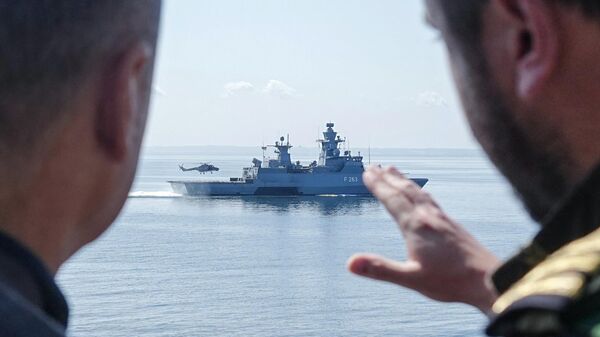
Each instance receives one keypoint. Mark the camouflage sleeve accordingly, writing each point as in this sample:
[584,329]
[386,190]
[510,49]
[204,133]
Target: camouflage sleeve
[560,296]
[533,316]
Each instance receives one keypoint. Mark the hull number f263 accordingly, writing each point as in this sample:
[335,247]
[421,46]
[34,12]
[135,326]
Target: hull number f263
[351,179]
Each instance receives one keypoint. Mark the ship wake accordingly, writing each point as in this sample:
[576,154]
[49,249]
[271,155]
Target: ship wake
[154,194]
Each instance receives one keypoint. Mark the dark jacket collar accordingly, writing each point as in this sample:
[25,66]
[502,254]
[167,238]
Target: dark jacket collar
[577,216]
[22,272]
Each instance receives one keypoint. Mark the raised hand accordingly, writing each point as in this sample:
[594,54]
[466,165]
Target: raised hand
[444,262]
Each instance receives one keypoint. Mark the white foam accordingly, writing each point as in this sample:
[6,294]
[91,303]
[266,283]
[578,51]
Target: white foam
[336,195]
[154,194]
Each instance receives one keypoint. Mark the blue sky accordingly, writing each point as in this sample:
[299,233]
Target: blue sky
[232,72]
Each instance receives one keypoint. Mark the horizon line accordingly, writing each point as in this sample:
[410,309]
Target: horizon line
[310,147]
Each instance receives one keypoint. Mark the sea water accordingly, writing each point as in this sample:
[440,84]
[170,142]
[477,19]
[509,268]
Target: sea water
[275,266]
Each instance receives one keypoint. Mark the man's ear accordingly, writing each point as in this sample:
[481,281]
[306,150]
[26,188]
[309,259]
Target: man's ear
[122,100]
[536,49]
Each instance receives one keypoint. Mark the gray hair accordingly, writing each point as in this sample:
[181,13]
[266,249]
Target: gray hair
[49,47]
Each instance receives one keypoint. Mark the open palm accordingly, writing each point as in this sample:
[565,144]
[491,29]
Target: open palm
[444,261]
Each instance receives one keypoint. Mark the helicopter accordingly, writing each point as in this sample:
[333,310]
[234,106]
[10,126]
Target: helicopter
[202,168]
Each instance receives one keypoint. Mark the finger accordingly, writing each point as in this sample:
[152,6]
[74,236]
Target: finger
[396,179]
[392,198]
[373,266]
[410,189]
[393,170]
[373,168]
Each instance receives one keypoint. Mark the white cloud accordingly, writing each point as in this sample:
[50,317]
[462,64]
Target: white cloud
[236,88]
[279,89]
[430,99]
[273,88]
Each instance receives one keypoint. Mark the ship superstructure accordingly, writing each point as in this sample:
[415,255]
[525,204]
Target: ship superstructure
[335,173]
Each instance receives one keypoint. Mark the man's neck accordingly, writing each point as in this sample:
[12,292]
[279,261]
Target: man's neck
[46,249]
[29,218]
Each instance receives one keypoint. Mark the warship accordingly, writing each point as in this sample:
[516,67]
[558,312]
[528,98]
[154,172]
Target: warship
[335,173]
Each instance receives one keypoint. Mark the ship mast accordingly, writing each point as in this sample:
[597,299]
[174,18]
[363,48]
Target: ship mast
[264,148]
[329,145]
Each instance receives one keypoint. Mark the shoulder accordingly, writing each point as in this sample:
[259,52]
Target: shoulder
[18,318]
[559,297]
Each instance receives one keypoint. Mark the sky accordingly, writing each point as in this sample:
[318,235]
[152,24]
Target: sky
[243,73]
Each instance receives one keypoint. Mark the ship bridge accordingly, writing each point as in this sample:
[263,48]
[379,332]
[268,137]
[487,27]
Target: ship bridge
[331,156]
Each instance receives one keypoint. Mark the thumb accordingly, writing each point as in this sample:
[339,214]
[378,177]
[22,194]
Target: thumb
[377,267]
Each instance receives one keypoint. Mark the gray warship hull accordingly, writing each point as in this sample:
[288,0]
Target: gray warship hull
[335,173]
[294,184]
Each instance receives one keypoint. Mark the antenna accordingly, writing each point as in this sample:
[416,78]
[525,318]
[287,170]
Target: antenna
[349,150]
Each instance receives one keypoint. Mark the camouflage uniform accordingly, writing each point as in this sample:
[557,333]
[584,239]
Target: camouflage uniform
[552,287]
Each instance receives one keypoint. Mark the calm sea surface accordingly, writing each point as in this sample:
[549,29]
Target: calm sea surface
[263,266]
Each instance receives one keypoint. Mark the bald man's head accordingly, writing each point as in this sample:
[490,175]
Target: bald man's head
[75,83]
[48,49]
